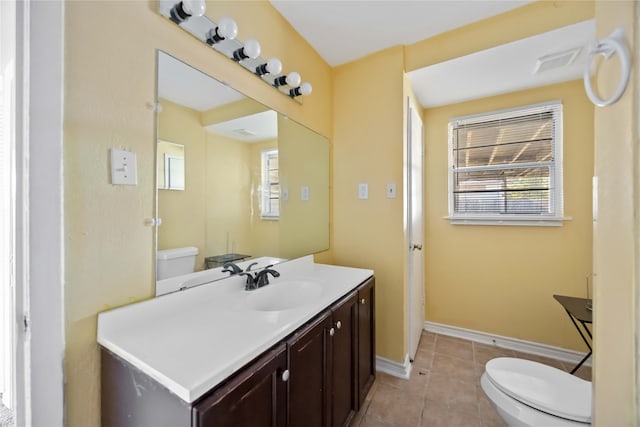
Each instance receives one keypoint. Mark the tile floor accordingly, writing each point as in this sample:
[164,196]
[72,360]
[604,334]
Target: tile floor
[444,388]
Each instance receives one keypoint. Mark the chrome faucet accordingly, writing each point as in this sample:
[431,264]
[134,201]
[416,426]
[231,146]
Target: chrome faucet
[259,279]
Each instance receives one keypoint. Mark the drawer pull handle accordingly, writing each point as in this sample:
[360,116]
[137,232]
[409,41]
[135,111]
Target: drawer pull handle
[332,331]
[285,375]
[338,324]
[363,301]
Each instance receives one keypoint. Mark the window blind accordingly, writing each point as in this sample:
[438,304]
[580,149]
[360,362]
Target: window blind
[506,163]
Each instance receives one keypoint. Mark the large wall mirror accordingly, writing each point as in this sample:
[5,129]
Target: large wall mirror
[254,183]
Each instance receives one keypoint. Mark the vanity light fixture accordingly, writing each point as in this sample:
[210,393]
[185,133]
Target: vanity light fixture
[221,37]
[304,89]
[292,79]
[251,49]
[185,9]
[227,29]
[272,66]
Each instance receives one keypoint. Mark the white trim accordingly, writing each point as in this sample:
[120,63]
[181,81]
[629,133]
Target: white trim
[516,344]
[400,370]
[521,220]
[44,249]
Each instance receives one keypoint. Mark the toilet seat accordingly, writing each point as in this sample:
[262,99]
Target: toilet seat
[542,387]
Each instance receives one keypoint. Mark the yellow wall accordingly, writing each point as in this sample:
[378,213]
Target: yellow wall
[228,183]
[367,148]
[181,125]
[110,63]
[501,279]
[303,161]
[617,230]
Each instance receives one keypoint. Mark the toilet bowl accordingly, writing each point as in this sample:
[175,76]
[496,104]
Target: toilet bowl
[527,393]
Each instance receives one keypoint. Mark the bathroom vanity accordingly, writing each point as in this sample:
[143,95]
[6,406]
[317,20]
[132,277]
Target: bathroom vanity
[297,352]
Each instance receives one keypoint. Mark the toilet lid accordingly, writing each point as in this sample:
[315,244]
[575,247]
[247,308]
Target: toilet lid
[542,387]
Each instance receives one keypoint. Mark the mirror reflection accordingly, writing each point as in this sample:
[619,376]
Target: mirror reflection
[170,162]
[255,183]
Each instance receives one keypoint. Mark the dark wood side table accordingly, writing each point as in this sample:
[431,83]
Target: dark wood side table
[578,312]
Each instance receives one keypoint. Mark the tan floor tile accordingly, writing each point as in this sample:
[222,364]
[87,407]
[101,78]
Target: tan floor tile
[416,384]
[459,394]
[436,414]
[454,347]
[395,406]
[454,367]
[583,372]
[372,421]
[444,388]
[423,360]
[483,353]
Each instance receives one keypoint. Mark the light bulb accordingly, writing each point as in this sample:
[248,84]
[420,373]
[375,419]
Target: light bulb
[272,66]
[251,49]
[293,79]
[227,28]
[185,9]
[304,89]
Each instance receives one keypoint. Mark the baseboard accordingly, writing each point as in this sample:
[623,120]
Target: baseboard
[400,370]
[508,343]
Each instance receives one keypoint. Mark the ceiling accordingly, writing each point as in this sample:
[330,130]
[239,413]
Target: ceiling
[343,31]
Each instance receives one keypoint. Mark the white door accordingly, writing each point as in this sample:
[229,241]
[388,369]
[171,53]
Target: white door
[415,230]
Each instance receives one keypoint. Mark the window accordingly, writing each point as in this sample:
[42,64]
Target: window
[505,167]
[270,206]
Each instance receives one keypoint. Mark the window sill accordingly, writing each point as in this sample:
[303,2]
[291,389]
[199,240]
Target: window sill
[269,218]
[527,221]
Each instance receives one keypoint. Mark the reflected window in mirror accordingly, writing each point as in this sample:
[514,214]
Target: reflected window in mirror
[170,166]
[270,204]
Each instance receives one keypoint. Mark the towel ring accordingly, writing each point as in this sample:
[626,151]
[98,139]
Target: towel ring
[608,47]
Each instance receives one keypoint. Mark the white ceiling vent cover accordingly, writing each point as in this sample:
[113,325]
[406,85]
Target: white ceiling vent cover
[556,60]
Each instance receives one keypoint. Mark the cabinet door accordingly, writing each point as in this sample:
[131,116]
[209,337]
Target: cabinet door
[256,397]
[309,367]
[344,342]
[366,339]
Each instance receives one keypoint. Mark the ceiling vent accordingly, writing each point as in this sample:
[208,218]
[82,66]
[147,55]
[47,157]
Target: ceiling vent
[556,60]
[244,132]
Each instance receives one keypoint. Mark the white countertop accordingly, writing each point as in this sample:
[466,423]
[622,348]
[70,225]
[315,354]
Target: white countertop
[189,341]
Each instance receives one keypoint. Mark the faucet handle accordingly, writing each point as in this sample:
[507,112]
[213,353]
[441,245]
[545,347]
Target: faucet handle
[251,266]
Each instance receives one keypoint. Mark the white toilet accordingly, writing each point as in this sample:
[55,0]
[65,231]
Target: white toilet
[527,393]
[175,262]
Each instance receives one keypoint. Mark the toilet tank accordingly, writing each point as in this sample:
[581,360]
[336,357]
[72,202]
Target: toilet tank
[175,262]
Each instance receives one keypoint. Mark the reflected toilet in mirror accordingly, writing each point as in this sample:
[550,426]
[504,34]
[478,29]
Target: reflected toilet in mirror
[254,184]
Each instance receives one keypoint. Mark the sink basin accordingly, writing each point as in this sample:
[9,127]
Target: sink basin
[285,295]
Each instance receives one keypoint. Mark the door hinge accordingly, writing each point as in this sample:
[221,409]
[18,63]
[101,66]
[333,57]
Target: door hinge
[25,321]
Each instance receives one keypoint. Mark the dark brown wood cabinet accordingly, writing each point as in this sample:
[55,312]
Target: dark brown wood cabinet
[309,367]
[256,397]
[317,377]
[366,339]
[344,343]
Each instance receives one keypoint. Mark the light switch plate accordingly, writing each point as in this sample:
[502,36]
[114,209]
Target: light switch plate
[363,190]
[123,167]
[285,194]
[304,192]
